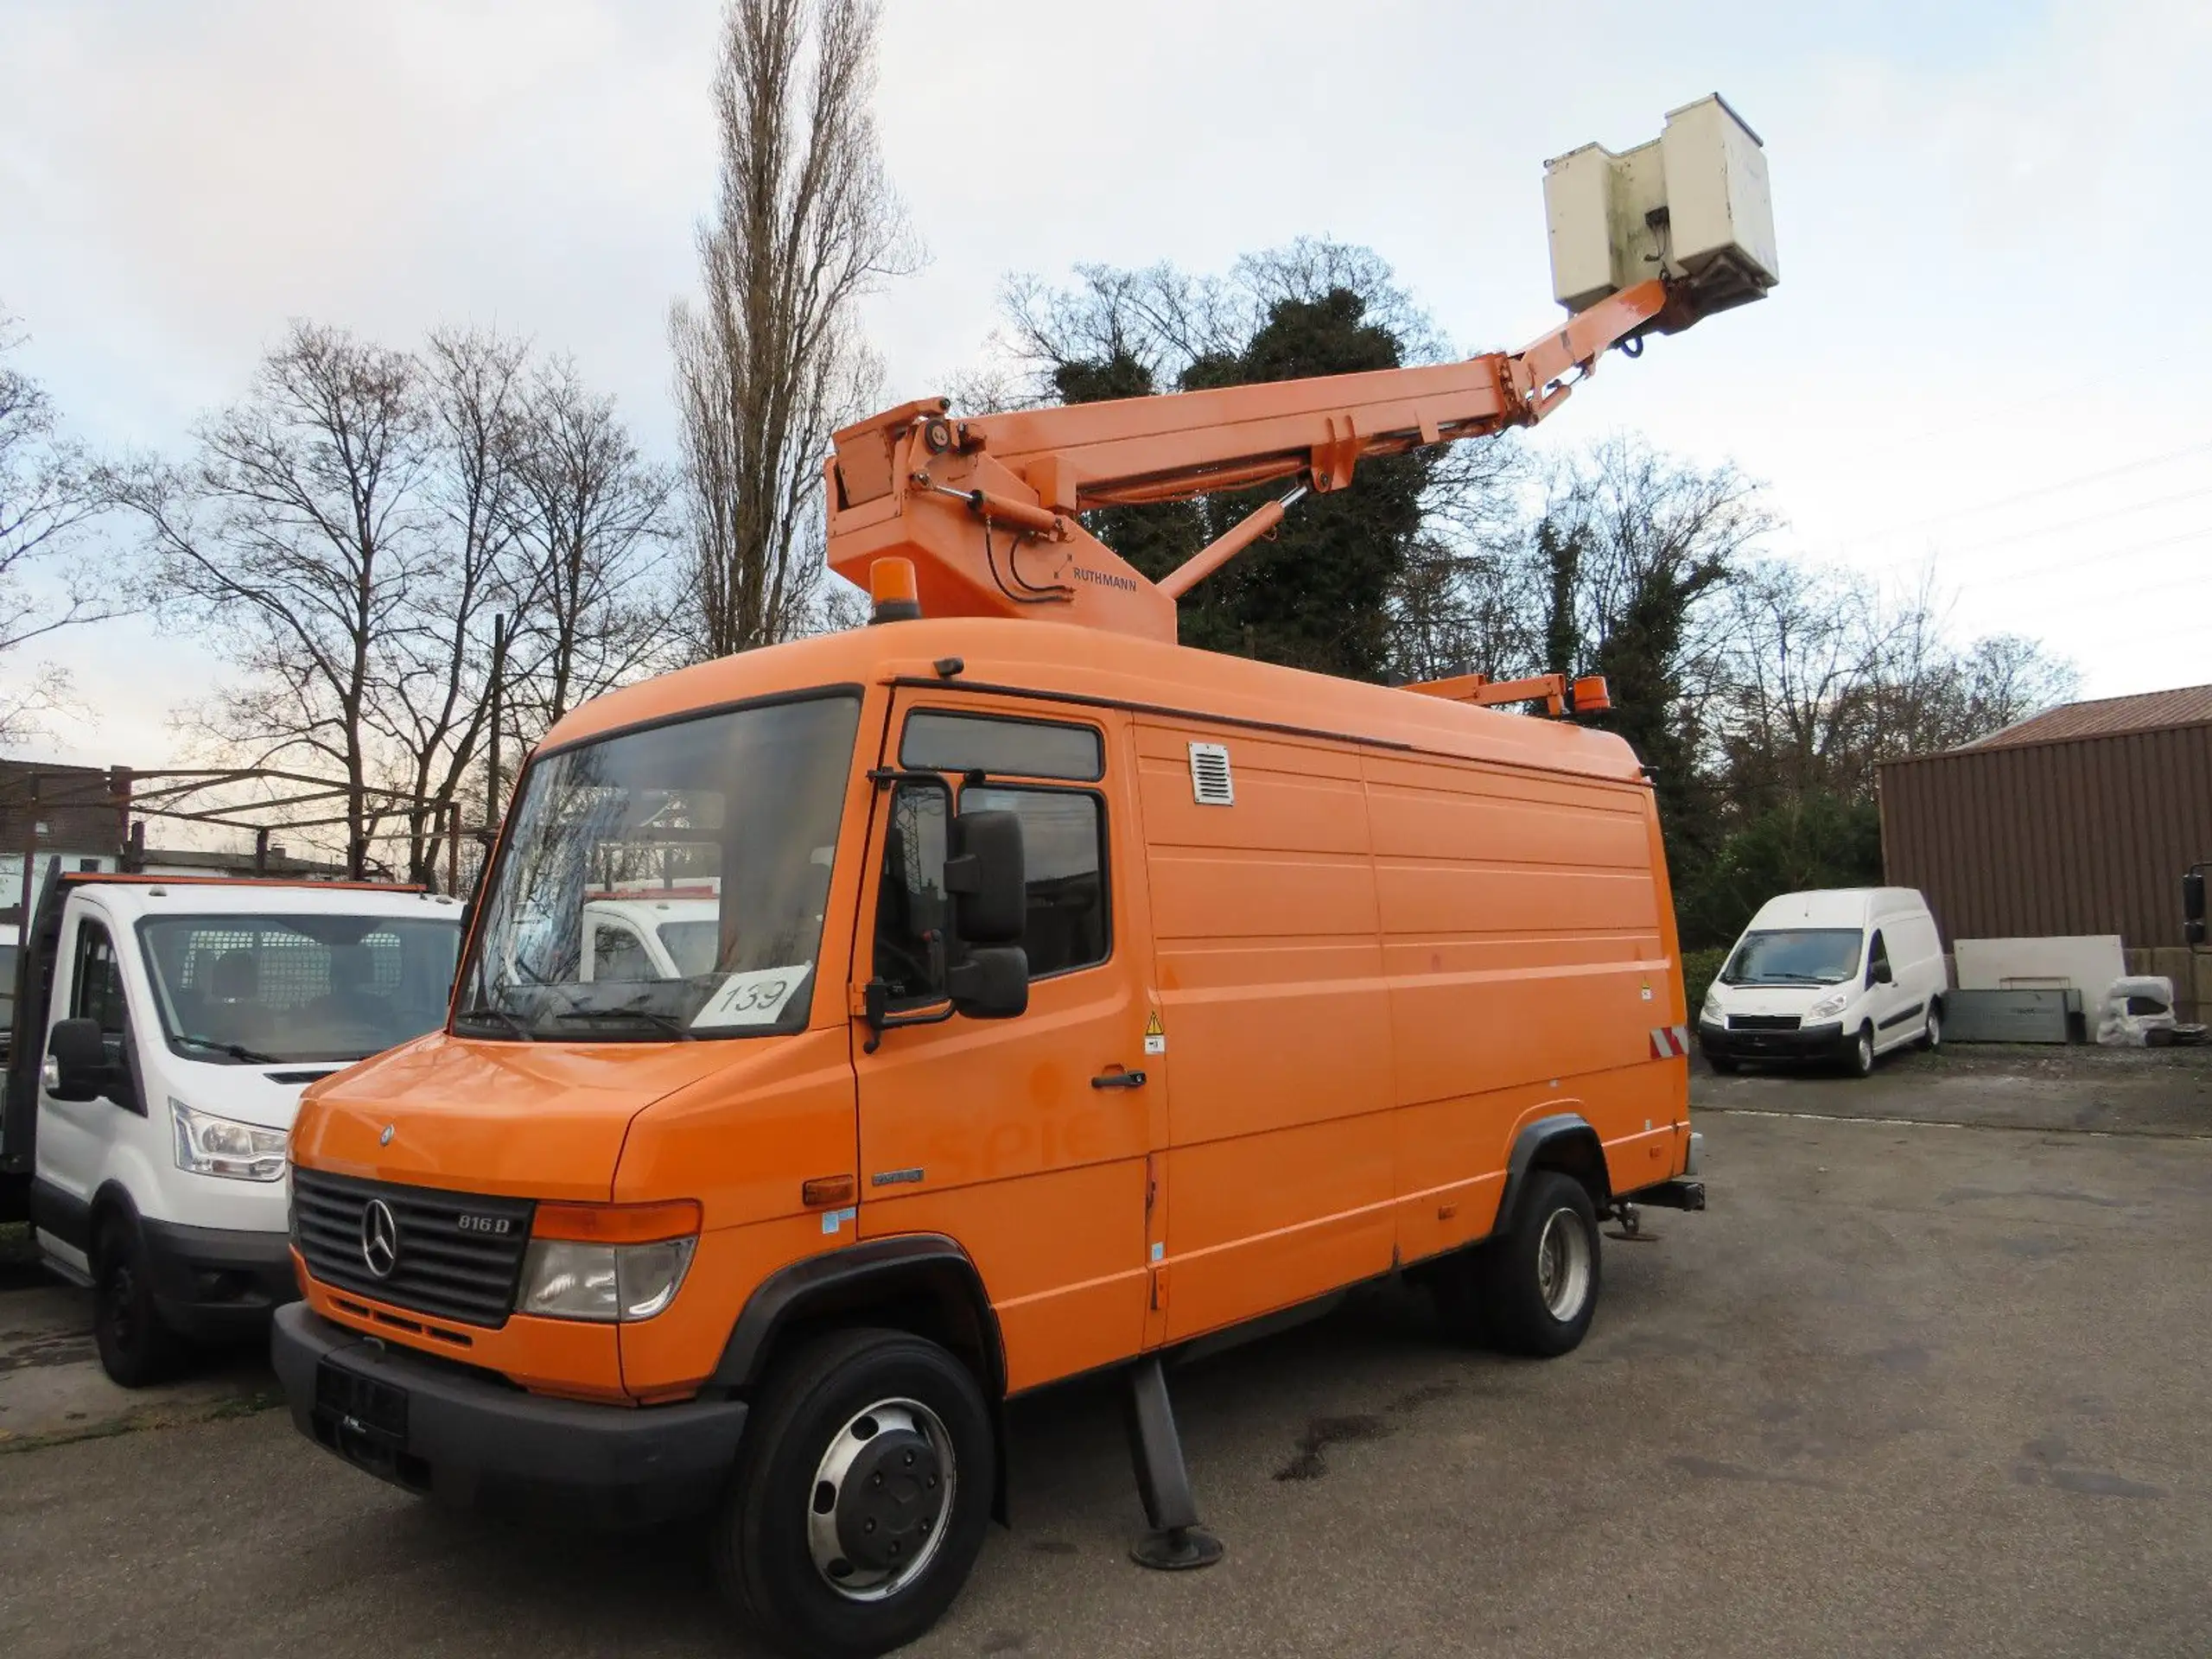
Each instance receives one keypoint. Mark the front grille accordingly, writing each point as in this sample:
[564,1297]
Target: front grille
[1762,1022]
[438,1266]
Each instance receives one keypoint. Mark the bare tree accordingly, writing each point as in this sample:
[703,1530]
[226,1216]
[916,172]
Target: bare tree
[769,360]
[432,703]
[47,491]
[299,535]
[591,513]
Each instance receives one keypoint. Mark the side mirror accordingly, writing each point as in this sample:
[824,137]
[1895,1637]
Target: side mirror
[2192,906]
[80,1064]
[986,875]
[992,981]
[1881,974]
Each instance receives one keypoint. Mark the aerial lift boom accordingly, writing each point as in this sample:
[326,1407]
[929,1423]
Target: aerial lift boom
[985,509]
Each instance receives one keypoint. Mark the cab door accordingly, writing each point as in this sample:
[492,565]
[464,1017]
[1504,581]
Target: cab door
[1026,1140]
[75,1137]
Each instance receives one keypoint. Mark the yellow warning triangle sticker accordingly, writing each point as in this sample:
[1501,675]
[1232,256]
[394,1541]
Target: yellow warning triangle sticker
[1153,1028]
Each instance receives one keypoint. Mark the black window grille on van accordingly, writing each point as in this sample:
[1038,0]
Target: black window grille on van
[455,1255]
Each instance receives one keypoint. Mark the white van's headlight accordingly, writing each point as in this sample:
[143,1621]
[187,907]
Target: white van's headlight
[1711,1014]
[1830,1006]
[208,1145]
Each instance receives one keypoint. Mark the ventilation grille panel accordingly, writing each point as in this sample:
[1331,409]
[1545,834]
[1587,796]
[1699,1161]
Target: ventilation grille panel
[1210,784]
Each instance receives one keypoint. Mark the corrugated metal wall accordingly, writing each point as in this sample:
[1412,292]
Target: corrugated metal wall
[2083,836]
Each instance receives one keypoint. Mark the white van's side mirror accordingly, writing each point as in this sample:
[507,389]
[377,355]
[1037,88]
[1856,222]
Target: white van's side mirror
[78,1053]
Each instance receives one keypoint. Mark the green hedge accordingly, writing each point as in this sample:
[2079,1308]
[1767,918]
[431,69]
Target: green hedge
[1698,968]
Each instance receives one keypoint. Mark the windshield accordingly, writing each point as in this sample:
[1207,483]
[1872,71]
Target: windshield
[245,991]
[1801,956]
[713,835]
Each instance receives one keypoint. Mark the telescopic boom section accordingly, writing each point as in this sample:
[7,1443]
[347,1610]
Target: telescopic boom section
[985,508]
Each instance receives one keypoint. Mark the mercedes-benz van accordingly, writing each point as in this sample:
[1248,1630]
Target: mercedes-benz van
[1842,974]
[1068,998]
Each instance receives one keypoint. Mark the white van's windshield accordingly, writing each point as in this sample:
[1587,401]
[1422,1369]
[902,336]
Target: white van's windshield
[256,989]
[1795,956]
[718,833]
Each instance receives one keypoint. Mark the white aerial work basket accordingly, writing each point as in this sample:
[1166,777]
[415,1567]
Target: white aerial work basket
[1691,205]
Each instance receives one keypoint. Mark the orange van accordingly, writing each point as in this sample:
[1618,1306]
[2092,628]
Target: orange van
[1061,998]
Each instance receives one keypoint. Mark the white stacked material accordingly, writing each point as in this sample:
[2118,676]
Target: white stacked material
[2136,1005]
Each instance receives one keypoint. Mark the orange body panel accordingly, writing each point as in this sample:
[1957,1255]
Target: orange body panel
[1420,925]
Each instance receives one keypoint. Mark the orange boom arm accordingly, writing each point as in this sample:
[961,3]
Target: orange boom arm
[986,508]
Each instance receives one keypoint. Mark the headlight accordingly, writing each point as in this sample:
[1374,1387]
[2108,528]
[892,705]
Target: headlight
[208,1145]
[587,1277]
[1828,1006]
[1710,1015]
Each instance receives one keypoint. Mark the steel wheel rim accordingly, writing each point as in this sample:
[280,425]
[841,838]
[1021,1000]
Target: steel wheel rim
[827,1493]
[1865,1050]
[1563,1264]
[1935,1029]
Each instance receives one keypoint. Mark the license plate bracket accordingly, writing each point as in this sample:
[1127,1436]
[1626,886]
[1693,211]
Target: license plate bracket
[362,1419]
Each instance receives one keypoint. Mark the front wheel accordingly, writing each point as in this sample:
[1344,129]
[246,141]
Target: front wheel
[1540,1281]
[863,1489]
[1726,1065]
[1931,1037]
[136,1347]
[1859,1058]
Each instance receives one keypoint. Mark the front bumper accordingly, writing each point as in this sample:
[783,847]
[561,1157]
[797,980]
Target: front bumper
[216,1283]
[1806,1043]
[470,1439]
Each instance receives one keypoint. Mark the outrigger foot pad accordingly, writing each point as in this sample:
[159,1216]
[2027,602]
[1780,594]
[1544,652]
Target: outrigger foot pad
[1175,1540]
[1176,1550]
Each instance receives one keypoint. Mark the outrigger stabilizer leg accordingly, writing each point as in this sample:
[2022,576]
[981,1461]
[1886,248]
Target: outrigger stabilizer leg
[1175,1540]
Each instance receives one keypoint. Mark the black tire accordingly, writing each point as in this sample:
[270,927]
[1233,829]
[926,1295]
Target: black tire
[810,1406]
[1932,1034]
[136,1348]
[1526,1308]
[1726,1065]
[1858,1057]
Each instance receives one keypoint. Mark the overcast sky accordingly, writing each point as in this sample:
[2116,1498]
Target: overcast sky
[1987,351]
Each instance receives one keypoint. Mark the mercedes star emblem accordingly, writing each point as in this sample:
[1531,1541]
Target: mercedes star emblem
[390,1129]
[380,1238]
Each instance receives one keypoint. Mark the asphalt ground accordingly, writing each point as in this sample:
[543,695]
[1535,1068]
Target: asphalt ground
[1933,1376]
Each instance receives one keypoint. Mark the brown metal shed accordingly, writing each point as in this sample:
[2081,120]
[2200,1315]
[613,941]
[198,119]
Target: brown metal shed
[2077,821]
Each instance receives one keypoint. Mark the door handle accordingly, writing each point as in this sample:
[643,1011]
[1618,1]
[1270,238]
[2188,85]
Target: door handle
[1118,1080]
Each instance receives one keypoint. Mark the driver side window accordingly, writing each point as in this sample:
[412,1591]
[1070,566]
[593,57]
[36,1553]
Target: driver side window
[913,912]
[96,994]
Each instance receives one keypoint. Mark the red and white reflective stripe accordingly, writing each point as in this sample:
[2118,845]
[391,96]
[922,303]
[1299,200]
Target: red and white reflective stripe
[1670,1042]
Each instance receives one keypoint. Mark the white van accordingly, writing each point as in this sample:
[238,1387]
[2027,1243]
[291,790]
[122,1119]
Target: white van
[164,1029]
[1843,974]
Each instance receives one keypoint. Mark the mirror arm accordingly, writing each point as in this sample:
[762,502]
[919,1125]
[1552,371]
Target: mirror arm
[875,1001]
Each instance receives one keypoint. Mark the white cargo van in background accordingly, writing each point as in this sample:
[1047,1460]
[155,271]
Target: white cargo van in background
[1842,974]
[163,1031]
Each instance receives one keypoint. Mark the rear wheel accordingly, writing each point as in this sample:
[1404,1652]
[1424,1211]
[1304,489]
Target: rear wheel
[862,1492]
[1931,1037]
[1540,1281]
[1859,1058]
[136,1347]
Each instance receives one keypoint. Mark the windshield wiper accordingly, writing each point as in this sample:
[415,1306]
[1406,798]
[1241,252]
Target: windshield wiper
[236,1050]
[513,1022]
[673,1026]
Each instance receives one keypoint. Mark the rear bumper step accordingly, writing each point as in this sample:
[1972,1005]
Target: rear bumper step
[1670,1195]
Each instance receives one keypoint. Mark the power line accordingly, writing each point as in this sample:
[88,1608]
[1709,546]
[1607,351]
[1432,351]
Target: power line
[2054,529]
[2037,493]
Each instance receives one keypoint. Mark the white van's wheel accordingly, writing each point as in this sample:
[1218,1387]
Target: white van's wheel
[862,1490]
[1540,1280]
[136,1348]
[1859,1059]
[1931,1038]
